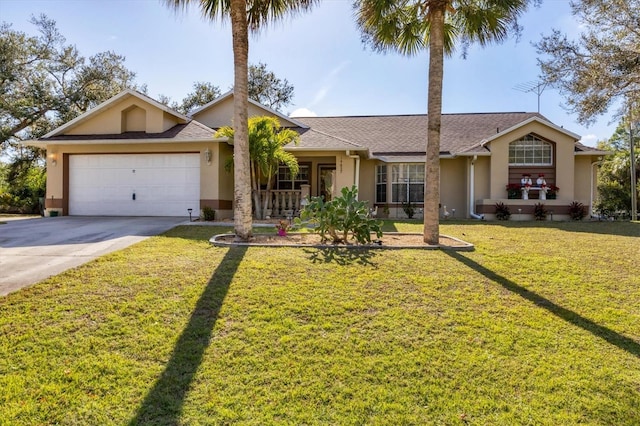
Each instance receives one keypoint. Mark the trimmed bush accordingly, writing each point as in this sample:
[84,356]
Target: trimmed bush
[540,212]
[577,211]
[502,211]
[208,214]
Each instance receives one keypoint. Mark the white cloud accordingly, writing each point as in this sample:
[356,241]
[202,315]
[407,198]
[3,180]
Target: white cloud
[328,82]
[303,112]
[589,140]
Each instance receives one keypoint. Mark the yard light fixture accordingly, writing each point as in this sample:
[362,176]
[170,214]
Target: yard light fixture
[190,211]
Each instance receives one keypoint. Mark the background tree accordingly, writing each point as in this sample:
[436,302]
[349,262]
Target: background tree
[601,67]
[410,26]
[267,89]
[244,15]
[203,93]
[614,174]
[266,152]
[264,87]
[45,82]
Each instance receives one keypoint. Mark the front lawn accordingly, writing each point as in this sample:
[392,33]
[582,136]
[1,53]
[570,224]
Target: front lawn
[539,325]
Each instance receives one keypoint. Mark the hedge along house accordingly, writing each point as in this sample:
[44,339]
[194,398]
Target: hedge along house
[132,156]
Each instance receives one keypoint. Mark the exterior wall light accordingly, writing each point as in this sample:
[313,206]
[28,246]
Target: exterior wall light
[54,158]
[207,156]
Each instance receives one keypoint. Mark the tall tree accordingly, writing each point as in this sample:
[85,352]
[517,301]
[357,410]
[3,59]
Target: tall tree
[614,174]
[268,89]
[45,82]
[266,152]
[602,67]
[244,15]
[410,26]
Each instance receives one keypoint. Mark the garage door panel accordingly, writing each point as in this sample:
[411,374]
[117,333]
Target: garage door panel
[164,184]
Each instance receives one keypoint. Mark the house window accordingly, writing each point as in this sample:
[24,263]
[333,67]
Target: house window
[287,181]
[407,183]
[381,184]
[530,151]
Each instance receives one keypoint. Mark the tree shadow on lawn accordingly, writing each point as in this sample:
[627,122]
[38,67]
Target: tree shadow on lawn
[623,229]
[163,404]
[623,342]
[341,255]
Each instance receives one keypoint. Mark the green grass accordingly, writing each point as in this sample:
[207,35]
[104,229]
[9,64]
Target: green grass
[539,325]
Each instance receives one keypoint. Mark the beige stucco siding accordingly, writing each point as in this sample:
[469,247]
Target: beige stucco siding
[564,156]
[584,179]
[367,185]
[453,182]
[112,119]
[482,178]
[221,114]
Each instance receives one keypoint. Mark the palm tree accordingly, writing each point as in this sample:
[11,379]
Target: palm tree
[266,152]
[244,15]
[409,26]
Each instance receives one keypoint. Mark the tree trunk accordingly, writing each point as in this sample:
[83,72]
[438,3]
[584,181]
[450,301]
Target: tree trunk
[241,168]
[434,109]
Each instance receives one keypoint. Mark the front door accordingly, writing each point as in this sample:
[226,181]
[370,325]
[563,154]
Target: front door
[327,182]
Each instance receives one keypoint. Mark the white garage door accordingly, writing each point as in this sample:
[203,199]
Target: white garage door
[134,184]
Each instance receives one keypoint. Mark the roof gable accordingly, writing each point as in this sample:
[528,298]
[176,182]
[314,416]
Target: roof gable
[219,112]
[128,111]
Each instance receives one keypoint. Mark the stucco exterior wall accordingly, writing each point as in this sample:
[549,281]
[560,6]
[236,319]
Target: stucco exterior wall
[110,120]
[584,180]
[221,114]
[367,184]
[482,178]
[564,156]
[453,182]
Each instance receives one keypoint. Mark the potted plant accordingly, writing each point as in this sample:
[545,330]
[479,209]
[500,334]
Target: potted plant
[552,192]
[282,228]
[513,191]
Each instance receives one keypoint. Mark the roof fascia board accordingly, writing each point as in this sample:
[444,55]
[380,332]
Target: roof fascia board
[108,104]
[576,137]
[44,143]
[251,101]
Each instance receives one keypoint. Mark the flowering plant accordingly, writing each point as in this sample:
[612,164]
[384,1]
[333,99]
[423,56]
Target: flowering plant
[513,190]
[282,227]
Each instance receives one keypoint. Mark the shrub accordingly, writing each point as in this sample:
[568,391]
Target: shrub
[540,212]
[341,216]
[208,213]
[577,211]
[513,191]
[502,211]
[409,209]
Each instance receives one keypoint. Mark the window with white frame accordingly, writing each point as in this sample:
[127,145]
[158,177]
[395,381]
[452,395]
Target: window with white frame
[381,184]
[407,183]
[287,181]
[530,151]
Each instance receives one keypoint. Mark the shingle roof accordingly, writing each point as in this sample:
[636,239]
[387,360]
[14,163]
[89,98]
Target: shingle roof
[192,130]
[402,134]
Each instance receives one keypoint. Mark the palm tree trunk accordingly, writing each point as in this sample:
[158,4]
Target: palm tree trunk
[431,231]
[241,169]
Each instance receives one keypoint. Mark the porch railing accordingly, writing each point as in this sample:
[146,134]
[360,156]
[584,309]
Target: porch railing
[281,203]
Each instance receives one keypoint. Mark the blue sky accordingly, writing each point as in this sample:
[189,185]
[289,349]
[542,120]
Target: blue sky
[320,53]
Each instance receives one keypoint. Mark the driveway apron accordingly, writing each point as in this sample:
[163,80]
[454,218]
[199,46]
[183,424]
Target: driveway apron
[34,249]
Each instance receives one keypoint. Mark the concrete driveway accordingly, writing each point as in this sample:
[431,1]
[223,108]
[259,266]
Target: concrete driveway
[34,249]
